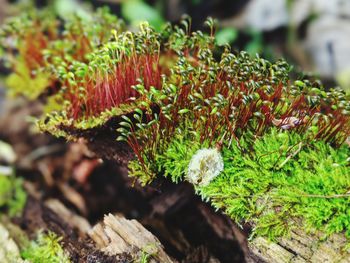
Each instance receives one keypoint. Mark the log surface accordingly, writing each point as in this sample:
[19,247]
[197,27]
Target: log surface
[117,235]
[300,247]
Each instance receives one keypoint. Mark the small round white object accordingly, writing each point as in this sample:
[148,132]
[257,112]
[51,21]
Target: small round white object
[205,165]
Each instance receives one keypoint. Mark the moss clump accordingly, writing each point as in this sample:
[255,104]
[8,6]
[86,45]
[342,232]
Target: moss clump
[24,52]
[283,177]
[46,248]
[176,158]
[12,195]
[36,47]
[24,83]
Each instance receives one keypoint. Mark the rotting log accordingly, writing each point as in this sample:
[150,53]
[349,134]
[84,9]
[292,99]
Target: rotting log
[297,247]
[54,216]
[37,216]
[165,203]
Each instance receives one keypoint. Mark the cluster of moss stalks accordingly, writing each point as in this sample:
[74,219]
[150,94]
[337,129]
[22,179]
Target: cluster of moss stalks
[282,142]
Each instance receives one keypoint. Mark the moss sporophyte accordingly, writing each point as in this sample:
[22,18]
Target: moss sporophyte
[282,151]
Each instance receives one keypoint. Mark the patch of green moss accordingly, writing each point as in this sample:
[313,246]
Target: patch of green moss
[284,177]
[41,43]
[12,195]
[24,82]
[46,248]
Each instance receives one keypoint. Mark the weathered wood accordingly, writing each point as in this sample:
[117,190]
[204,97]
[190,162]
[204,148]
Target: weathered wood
[70,217]
[80,248]
[117,235]
[300,247]
[9,251]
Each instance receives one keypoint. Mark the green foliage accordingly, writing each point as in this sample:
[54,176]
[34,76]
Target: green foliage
[284,178]
[143,172]
[24,82]
[226,35]
[5,189]
[145,257]
[136,11]
[174,161]
[12,195]
[256,45]
[278,181]
[37,47]
[66,8]
[46,248]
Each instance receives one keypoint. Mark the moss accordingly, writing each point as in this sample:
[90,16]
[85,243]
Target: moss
[282,141]
[46,248]
[41,43]
[284,178]
[175,160]
[5,190]
[22,82]
[12,195]
[311,185]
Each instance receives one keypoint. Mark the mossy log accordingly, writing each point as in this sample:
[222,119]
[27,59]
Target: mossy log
[299,246]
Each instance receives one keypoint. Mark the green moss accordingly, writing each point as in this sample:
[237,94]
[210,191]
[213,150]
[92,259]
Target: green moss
[283,178]
[41,43]
[143,173]
[279,181]
[22,82]
[5,189]
[46,248]
[12,195]
[174,161]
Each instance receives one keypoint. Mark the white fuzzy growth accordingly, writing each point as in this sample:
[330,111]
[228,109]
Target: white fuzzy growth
[204,166]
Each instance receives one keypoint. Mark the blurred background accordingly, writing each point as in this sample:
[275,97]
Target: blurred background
[313,35]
